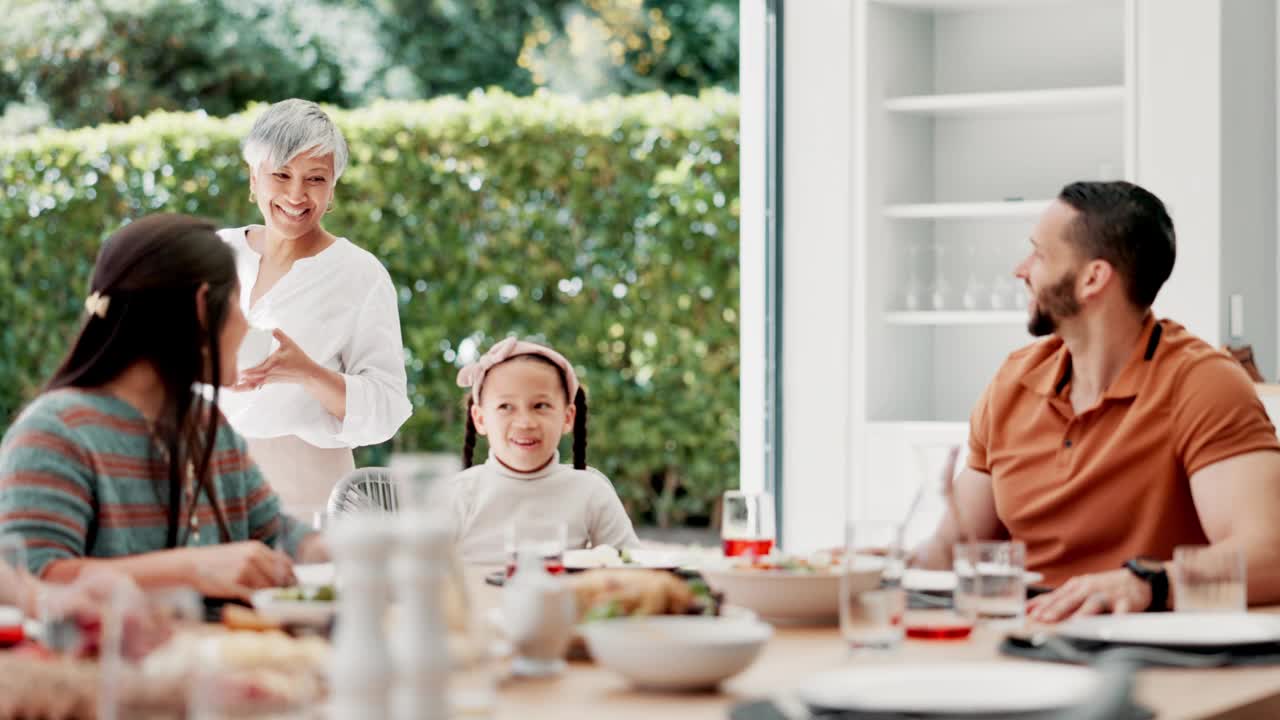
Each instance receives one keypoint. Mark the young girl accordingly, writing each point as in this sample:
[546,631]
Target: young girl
[524,397]
[119,463]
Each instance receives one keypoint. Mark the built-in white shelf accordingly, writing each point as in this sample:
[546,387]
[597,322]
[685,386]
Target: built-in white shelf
[1051,100]
[936,211]
[922,427]
[956,317]
[967,5]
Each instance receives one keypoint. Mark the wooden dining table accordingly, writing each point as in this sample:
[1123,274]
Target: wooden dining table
[795,654]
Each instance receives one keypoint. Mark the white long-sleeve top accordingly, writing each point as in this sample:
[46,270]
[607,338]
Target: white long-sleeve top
[340,307]
[486,498]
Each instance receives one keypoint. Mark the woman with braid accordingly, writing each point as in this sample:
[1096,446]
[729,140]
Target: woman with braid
[122,463]
[524,398]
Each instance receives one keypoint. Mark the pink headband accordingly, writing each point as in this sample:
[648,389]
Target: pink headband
[473,374]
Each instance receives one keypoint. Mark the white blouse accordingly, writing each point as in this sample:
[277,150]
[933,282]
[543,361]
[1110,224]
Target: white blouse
[340,307]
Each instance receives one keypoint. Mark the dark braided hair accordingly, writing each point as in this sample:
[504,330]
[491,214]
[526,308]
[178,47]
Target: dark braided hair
[580,430]
[579,420]
[469,437]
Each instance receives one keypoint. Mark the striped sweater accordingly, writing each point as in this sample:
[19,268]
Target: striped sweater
[81,477]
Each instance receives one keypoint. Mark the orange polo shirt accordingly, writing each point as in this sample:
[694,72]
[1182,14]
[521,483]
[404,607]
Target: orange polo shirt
[1086,492]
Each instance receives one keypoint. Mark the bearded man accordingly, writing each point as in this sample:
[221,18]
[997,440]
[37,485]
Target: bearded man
[1117,436]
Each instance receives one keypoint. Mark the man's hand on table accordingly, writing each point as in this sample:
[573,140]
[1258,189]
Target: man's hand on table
[1115,591]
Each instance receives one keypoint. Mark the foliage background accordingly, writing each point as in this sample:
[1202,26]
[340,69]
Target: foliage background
[608,228]
[73,63]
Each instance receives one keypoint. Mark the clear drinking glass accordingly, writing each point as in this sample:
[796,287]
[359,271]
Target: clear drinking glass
[991,581]
[223,688]
[1208,579]
[872,599]
[13,565]
[418,478]
[545,539]
[475,652]
[747,523]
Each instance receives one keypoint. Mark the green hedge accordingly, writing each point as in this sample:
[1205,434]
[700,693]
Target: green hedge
[610,229]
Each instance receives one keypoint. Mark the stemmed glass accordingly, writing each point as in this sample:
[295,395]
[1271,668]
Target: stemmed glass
[940,297]
[971,298]
[913,290]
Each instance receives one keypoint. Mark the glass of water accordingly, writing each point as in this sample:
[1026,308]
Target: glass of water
[1208,579]
[991,581]
[872,598]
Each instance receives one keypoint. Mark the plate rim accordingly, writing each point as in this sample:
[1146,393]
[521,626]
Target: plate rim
[1085,629]
[806,695]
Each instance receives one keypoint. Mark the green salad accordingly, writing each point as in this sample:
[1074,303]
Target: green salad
[319,593]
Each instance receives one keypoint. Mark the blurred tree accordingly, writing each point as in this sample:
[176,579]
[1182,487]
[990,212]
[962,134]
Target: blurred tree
[93,61]
[626,46]
[443,47]
[82,62]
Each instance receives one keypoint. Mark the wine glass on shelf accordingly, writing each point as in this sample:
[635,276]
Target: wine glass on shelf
[999,297]
[913,290]
[941,290]
[971,297]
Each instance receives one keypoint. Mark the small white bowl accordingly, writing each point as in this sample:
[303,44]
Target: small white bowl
[676,652]
[305,612]
[789,596]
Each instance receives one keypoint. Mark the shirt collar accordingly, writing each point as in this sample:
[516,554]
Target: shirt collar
[1052,375]
[1135,370]
[493,464]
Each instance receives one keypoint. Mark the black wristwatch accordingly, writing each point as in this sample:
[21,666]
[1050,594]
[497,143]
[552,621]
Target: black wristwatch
[1152,572]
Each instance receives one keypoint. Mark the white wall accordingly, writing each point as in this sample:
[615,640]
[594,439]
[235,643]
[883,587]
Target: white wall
[1178,158]
[816,232]
[1249,173]
[1207,146]
[753,110]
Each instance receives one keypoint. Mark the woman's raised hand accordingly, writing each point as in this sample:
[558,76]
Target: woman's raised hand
[288,364]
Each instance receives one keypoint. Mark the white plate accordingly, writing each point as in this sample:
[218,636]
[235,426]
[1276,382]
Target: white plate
[1176,629]
[642,559]
[945,581]
[309,612]
[977,689]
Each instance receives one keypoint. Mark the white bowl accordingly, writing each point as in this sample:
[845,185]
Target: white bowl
[676,652]
[306,612]
[789,596]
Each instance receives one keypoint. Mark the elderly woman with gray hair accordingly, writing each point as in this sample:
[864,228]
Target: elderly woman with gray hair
[334,378]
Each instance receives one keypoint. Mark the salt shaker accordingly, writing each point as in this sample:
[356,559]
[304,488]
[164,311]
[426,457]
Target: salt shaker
[419,647]
[539,613]
[360,670]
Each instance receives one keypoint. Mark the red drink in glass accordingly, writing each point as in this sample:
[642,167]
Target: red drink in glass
[741,546]
[747,524]
[11,632]
[939,631]
[554,564]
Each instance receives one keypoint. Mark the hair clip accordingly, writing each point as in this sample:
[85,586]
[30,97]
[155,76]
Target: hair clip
[97,304]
